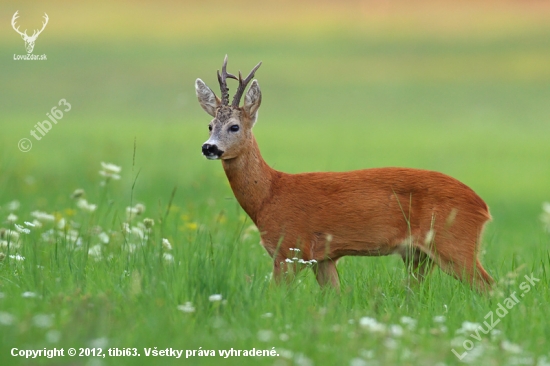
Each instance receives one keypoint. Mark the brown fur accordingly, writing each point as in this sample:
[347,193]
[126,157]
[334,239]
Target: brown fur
[425,217]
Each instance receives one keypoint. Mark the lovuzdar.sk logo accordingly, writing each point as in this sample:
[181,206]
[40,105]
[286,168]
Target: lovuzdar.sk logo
[29,40]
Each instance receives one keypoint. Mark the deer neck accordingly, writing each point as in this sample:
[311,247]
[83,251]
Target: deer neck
[250,178]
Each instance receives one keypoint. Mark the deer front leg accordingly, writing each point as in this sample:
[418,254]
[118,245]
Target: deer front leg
[327,274]
[282,271]
[285,270]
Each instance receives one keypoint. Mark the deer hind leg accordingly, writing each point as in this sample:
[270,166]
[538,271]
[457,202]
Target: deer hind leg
[419,264]
[463,264]
[327,274]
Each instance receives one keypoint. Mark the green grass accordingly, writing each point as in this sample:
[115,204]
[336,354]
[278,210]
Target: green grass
[339,93]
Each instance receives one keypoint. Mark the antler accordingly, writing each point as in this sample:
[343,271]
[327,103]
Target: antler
[35,34]
[223,82]
[13,19]
[242,85]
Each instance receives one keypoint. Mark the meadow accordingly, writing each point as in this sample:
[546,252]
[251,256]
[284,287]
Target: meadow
[161,255]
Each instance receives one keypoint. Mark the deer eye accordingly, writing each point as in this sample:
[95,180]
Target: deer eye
[234,128]
[209,127]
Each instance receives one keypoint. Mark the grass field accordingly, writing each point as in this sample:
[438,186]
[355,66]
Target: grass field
[459,89]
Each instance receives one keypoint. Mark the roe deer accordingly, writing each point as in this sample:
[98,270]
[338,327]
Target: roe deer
[425,217]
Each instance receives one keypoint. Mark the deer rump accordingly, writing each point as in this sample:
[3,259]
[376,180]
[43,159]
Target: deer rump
[371,212]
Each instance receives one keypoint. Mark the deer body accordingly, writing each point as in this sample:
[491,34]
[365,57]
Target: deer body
[424,216]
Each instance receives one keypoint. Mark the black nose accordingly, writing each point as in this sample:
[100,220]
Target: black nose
[208,149]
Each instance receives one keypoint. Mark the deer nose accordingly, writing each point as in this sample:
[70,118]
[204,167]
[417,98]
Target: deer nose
[211,150]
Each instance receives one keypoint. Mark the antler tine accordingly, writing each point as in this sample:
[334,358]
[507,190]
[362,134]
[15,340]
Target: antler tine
[243,84]
[222,79]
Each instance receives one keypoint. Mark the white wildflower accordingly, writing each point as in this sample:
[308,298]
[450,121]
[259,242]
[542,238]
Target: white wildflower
[137,232]
[408,321]
[148,223]
[29,294]
[358,362]
[109,170]
[439,319]
[42,321]
[186,308]
[99,343]
[510,347]
[288,260]
[166,244]
[140,208]
[104,237]
[468,327]
[267,315]
[126,228]
[84,205]
[42,216]
[35,223]
[295,250]
[132,212]
[6,318]
[215,297]
[12,218]
[265,335]
[95,251]
[396,330]
[61,224]
[13,206]
[168,257]
[371,324]
[10,235]
[22,229]
[17,257]
[285,353]
[302,360]
[73,237]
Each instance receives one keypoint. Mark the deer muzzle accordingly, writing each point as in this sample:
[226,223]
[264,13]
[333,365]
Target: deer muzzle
[211,151]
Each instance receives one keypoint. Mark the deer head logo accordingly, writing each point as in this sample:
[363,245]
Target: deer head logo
[29,40]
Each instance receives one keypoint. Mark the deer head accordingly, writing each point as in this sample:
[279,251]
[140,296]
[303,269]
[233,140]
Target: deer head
[29,40]
[230,130]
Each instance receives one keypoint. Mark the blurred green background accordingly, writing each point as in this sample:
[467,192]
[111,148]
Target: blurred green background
[459,88]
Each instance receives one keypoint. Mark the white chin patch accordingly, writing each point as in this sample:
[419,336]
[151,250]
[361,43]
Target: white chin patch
[212,157]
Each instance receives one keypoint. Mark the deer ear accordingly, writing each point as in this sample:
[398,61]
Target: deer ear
[252,101]
[208,100]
